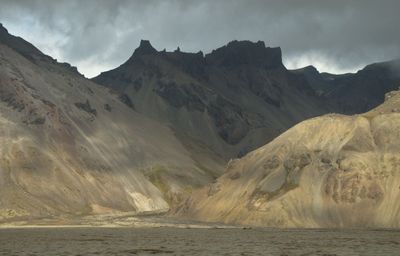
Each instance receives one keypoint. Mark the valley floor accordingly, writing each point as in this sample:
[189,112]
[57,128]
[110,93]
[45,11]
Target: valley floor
[196,241]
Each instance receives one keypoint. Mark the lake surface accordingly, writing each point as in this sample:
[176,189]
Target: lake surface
[196,241]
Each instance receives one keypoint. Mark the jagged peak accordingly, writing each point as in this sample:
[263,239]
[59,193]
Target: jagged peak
[245,43]
[145,48]
[235,53]
[3,29]
[176,56]
[246,53]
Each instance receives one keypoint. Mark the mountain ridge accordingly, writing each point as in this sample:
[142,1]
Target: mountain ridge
[210,85]
[161,125]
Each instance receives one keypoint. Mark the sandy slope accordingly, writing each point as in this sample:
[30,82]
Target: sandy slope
[330,171]
[67,146]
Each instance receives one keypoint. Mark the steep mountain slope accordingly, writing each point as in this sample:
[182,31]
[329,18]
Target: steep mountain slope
[68,148]
[232,100]
[329,171]
[239,96]
[355,93]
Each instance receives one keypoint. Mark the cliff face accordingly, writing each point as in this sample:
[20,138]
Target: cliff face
[246,53]
[232,100]
[69,147]
[329,171]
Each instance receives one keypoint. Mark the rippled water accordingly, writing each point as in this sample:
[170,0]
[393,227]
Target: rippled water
[181,241]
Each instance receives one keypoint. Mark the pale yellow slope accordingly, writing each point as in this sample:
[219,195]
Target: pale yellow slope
[330,171]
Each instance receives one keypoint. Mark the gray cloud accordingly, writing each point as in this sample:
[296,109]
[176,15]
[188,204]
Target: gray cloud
[96,35]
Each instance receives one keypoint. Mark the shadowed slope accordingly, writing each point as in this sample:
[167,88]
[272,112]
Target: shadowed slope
[232,100]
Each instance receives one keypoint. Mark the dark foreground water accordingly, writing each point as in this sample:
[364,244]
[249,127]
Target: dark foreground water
[181,241]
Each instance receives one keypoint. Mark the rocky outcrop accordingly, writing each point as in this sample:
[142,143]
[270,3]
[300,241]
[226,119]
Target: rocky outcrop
[145,48]
[86,107]
[246,53]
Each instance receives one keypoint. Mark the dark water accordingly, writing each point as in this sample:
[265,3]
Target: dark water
[180,241]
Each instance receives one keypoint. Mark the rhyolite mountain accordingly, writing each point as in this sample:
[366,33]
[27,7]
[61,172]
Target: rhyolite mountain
[329,171]
[69,147]
[239,96]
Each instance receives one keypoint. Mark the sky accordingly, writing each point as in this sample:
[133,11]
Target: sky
[335,36]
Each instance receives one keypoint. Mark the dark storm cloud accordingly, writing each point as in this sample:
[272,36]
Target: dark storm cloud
[100,34]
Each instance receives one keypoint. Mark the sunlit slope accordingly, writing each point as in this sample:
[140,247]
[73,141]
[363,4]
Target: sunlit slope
[330,171]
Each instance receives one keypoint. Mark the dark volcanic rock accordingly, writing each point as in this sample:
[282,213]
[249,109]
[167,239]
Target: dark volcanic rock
[230,93]
[231,124]
[366,89]
[145,48]
[191,63]
[238,53]
[185,95]
[354,93]
[86,107]
[107,107]
[3,29]
[126,100]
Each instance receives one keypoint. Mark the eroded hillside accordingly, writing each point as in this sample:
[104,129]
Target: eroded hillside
[68,148]
[329,171]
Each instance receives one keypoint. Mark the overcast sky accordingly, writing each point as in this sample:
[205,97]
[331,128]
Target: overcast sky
[96,35]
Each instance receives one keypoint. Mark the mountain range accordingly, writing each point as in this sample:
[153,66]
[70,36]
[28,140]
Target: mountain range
[240,96]
[155,135]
